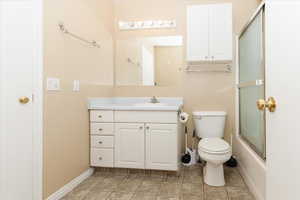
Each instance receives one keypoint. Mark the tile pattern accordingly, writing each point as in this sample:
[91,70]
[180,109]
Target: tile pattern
[127,184]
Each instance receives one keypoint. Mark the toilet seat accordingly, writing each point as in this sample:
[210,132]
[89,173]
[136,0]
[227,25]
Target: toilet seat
[214,146]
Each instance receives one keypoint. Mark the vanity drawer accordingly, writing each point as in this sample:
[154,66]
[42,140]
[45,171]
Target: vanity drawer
[102,157]
[146,116]
[101,116]
[102,128]
[102,141]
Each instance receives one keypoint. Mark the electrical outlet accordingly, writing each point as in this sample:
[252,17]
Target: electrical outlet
[53,84]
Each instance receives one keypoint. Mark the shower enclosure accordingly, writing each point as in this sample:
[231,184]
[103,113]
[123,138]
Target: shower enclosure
[251,84]
[268,101]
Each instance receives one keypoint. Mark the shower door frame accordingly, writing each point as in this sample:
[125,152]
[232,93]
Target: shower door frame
[260,9]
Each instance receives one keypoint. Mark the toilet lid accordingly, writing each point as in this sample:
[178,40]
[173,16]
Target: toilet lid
[214,145]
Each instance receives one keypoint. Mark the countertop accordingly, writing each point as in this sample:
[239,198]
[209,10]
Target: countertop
[136,104]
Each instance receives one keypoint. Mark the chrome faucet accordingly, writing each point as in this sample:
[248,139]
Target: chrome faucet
[154,100]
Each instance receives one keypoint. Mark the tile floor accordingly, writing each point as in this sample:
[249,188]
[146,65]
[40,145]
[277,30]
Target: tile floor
[122,184]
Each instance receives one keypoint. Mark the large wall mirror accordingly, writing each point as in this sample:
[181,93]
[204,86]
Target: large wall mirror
[149,61]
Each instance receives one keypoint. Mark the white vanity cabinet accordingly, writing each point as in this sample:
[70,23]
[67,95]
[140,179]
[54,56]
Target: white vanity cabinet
[162,146]
[102,138]
[209,32]
[138,139]
[130,147]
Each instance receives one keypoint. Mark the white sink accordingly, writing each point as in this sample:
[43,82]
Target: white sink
[150,104]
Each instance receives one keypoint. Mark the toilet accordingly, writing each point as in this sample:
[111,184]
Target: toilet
[212,148]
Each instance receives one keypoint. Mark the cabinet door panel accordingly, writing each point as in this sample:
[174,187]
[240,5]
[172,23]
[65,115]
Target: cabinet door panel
[220,30]
[101,116]
[161,146]
[197,33]
[146,116]
[101,128]
[129,145]
[102,157]
[102,141]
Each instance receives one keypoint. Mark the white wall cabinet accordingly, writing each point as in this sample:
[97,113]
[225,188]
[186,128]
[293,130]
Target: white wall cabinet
[136,139]
[209,33]
[197,33]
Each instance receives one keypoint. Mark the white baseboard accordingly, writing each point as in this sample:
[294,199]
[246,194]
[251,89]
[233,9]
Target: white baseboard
[71,185]
[252,187]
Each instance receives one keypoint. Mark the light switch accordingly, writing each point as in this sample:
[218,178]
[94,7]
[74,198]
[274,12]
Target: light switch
[53,84]
[76,85]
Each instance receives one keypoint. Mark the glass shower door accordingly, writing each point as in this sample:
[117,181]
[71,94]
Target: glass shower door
[251,85]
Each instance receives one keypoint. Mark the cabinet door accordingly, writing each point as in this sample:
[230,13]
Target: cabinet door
[162,146]
[197,33]
[220,32]
[129,145]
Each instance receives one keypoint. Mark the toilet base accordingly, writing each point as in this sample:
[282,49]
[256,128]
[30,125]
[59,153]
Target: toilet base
[214,174]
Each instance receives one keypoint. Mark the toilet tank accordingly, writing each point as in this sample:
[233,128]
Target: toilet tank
[210,124]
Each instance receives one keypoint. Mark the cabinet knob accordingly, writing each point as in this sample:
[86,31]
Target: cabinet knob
[100,116]
[141,127]
[147,127]
[100,142]
[100,129]
[100,158]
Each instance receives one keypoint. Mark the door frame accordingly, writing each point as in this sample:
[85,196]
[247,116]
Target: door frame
[37,98]
[39,105]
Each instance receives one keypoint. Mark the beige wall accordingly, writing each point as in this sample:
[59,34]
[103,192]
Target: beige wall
[201,91]
[66,130]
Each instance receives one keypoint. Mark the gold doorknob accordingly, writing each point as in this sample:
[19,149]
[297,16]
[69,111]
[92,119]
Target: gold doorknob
[24,100]
[261,104]
[270,104]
